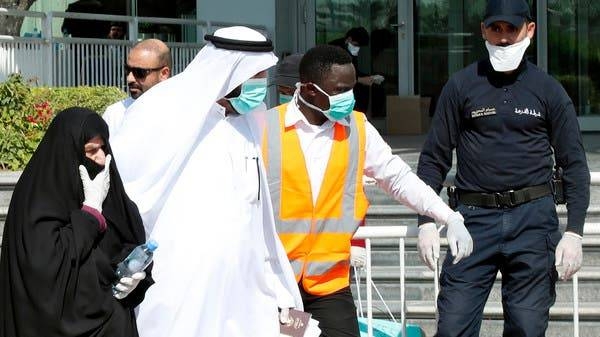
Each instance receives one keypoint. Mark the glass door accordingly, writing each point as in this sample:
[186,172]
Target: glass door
[574,51]
[448,38]
[418,44]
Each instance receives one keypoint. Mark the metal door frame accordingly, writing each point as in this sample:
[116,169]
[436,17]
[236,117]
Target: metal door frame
[406,52]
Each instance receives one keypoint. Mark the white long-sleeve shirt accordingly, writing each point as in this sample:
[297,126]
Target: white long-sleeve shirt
[114,113]
[392,174]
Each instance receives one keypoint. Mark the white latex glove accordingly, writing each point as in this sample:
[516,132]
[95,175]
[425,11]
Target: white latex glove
[569,255]
[459,239]
[127,284]
[377,79]
[358,256]
[429,244]
[284,316]
[95,191]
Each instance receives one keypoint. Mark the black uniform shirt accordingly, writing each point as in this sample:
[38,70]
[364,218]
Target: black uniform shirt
[504,129]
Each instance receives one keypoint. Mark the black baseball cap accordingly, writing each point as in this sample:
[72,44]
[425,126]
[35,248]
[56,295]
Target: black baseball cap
[287,72]
[512,11]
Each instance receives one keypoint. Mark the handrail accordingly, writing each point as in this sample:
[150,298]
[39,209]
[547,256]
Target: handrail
[21,13]
[68,61]
[402,232]
[131,20]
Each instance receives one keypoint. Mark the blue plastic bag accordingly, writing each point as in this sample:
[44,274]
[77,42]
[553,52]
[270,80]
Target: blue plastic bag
[385,328]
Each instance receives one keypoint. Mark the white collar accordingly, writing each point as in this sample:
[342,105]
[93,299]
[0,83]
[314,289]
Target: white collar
[218,108]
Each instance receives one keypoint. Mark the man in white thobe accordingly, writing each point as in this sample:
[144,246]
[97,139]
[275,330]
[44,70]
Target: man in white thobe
[195,172]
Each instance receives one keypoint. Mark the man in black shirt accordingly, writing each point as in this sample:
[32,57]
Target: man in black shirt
[85,28]
[353,40]
[510,123]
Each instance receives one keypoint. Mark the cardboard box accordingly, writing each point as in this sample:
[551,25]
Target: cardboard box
[407,115]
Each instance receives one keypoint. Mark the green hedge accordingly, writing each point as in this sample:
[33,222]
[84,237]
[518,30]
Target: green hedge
[26,112]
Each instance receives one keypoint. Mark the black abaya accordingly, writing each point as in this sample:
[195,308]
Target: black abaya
[57,266]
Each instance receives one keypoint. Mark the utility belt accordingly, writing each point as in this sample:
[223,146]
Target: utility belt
[504,199]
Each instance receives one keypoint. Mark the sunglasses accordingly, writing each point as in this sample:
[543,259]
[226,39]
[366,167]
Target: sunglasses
[140,73]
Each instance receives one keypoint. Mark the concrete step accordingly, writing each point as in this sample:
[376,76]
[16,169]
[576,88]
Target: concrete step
[5,196]
[588,289]
[423,274]
[385,211]
[7,183]
[388,255]
[493,328]
[3,211]
[561,311]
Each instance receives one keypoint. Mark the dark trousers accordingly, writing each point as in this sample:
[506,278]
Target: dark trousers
[520,243]
[336,312]
[361,96]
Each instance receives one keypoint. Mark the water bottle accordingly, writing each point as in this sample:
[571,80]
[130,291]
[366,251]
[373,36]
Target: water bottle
[139,258]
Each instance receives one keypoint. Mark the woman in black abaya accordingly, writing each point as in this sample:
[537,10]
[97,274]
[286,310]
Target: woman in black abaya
[58,255]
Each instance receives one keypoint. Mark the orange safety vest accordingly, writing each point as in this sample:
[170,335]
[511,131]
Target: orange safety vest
[316,237]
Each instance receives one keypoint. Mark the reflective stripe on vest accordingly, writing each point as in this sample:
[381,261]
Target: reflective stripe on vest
[316,237]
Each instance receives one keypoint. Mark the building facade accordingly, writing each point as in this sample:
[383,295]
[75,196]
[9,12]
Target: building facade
[418,44]
[415,44]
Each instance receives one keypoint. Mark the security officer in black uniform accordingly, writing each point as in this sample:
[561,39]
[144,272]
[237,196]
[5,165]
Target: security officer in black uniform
[510,123]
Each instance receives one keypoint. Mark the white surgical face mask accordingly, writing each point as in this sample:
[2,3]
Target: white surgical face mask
[507,58]
[252,95]
[352,49]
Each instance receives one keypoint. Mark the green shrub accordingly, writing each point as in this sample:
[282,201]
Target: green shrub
[94,98]
[18,136]
[26,112]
